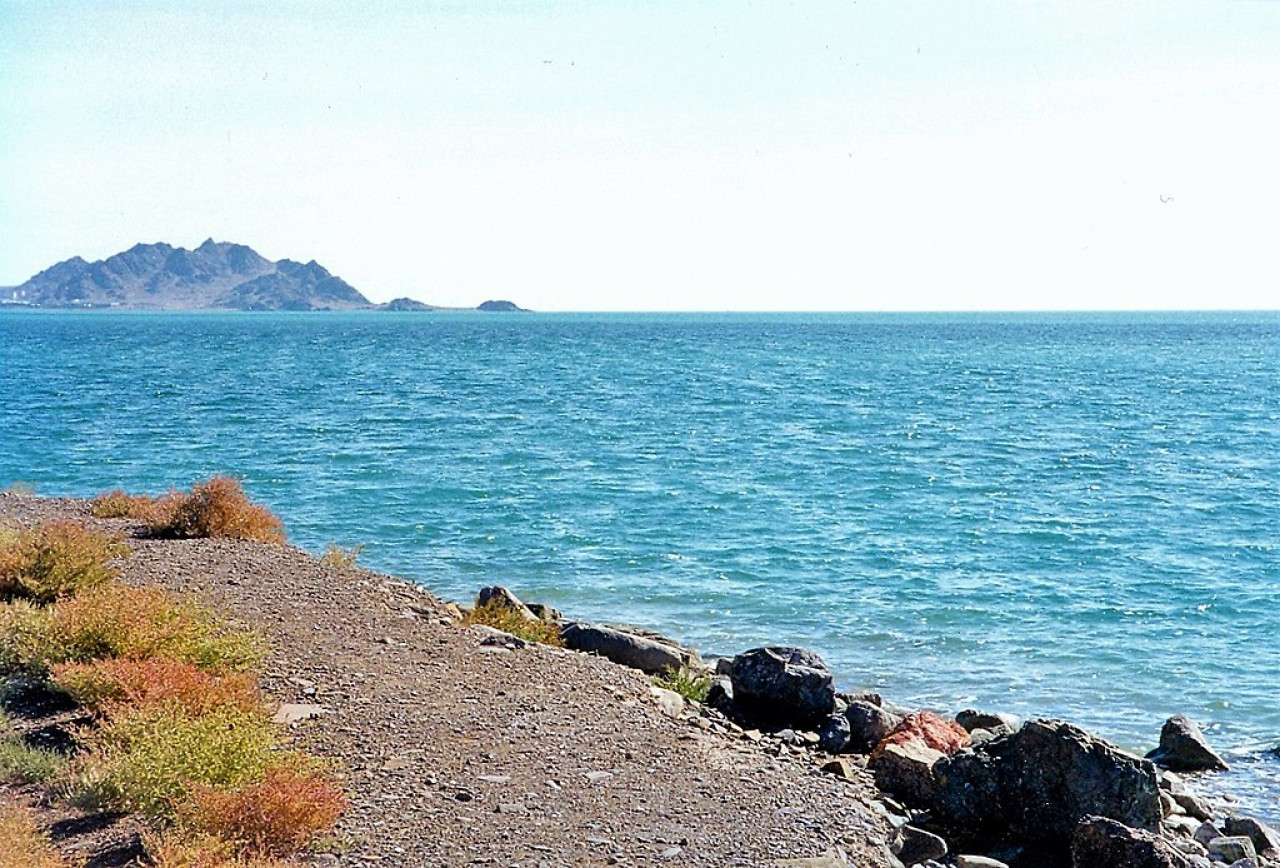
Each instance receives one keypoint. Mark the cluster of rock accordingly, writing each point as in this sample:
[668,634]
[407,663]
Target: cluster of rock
[981,790]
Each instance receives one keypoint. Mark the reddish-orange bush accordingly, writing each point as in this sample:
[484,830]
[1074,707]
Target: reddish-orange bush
[22,844]
[277,816]
[105,685]
[218,508]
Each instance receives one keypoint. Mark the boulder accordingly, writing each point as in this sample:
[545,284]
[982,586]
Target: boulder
[928,729]
[913,846]
[777,687]
[1193,806]
[1102,843]
[544,612]
[1263,837]
[869,723]
[499,597]
[627,649]
[1231,848]
[1037,784]
[1183,748]
[906,771]
[966,861]
[995,722]
[833,734]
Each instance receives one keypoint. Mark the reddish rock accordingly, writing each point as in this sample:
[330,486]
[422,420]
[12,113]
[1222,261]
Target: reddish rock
[927,728]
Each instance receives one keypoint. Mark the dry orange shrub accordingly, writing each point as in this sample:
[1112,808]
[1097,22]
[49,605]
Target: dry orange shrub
[22,845]
[218,508]
[112,684]
[275,817]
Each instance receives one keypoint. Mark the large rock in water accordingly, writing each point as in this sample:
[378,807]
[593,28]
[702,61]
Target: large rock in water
[1183,748]
[627,649]
[1039,783]
[1103,843]
[779,688]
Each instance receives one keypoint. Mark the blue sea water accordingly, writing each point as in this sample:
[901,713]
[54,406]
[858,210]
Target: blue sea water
[1056,515]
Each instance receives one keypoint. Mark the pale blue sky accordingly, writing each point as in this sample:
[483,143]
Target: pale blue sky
[659,155]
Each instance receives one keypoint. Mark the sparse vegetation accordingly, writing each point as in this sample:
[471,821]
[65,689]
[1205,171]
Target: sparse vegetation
[22,764]
[112,685]
[142,623]
[277,816]
[56,559]
[338,557]
[23,846]
[691,682]
[147,760]
[203,851]
[145,508]
[501,617]
[217,508]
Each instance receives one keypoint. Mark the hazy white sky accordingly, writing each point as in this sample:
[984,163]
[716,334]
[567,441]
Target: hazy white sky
[663,155]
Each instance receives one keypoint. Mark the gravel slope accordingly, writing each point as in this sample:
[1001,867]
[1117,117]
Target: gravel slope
[460,753]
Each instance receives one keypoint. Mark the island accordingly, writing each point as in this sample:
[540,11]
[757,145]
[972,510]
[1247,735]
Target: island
[214,276]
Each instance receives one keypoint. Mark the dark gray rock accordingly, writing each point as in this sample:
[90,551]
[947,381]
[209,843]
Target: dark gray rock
[720,694]
[1037,784]
[995,722]
[544,612]
[636,652]
[1102,843]
[1183,748]
[833,734]
[913,846]
[1193,806]
[1231,848]
[868,725]
[778,687]
[1262,836]
[1206,833]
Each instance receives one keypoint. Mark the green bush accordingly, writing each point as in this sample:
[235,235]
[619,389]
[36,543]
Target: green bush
[499,616]
[147,761]
[56,559]
[22,764]
[690,682]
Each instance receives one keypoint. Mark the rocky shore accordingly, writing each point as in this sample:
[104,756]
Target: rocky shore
[466,745]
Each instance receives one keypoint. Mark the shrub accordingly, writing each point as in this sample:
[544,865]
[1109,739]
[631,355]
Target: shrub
[114,685]
[148,760]
[21,843]
[502,617]
[340,558]
[57,559]
[119,504]
[277,816]
[218,508]
[142,623]
[185,851]
[691,682]
[22,764]
[24,637]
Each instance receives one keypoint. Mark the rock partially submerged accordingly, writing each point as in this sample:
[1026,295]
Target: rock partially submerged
[1039,783]
[1183,748]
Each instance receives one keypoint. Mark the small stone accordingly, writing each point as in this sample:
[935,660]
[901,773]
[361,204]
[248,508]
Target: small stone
[965,861]
[294,712]
[841,768]
[913,846]
[669,702]
[671,852]
[495,779]
[597,777]
[510,808]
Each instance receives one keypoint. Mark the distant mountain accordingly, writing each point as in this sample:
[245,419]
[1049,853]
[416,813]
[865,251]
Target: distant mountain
[501,306]
[214,275]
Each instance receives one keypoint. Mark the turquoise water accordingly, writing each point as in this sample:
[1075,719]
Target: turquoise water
[1066,515]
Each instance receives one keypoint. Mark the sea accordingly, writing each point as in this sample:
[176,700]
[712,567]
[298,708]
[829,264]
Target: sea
[1056,515]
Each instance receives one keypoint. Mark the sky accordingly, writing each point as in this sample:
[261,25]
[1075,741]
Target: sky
[657,155]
